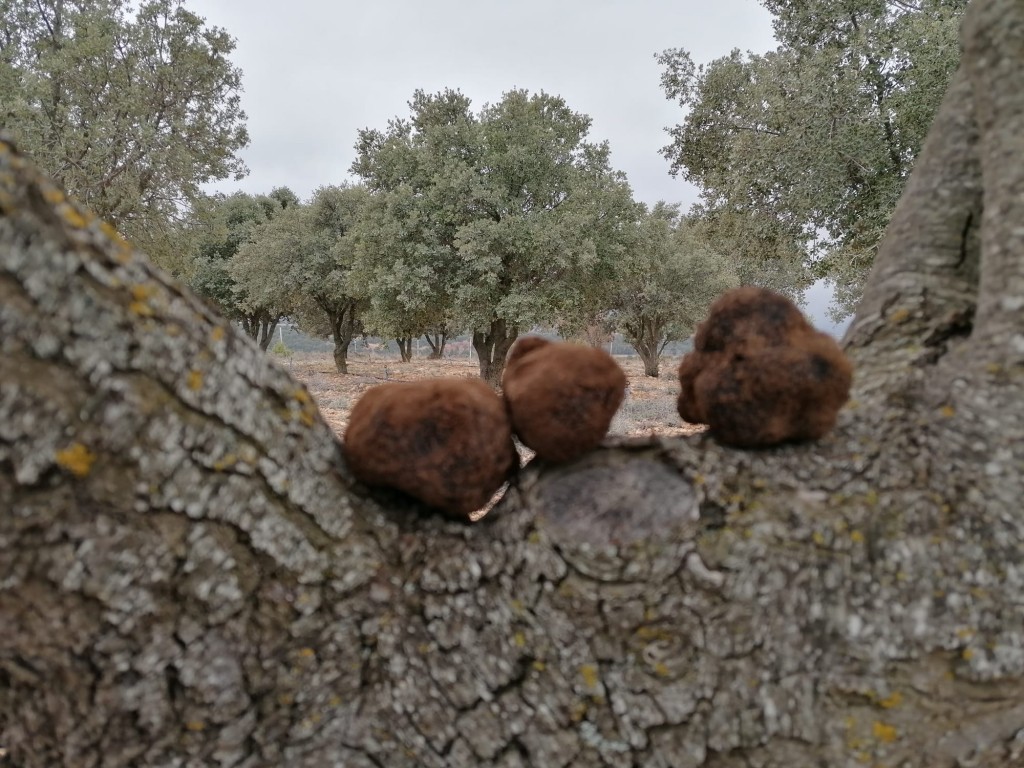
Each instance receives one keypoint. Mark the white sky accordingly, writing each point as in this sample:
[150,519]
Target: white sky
[315,72]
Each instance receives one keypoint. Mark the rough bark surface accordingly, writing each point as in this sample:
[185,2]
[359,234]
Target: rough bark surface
[188,575]
[491,348]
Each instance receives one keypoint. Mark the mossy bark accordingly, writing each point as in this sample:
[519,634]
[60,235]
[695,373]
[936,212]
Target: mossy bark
[189,576]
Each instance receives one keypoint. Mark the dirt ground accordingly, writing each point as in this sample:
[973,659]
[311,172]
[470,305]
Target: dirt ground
[649,407]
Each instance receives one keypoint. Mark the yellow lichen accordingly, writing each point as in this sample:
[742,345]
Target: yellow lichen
[141,293]
[74,217]
[195,726]
[195,380]
[76,459]
[539,665]
[857,537]
[884,732]
[141,309]
[228,460]
[589,674]
[334,701]
[891,701]
[947,411]
[900,316]
[52,195]
[967,654]
[306,653]
[661,669]
[578,711]
[519,639]
[819,538]
[217,334]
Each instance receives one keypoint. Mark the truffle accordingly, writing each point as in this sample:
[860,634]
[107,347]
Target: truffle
[446,442]
[561,397]
[760,374]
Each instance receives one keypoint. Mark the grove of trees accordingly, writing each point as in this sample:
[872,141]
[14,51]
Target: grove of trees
[190,576]
[495,220]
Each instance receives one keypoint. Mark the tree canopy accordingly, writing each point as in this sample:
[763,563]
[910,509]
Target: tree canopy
[664,283]
[220,225]
[511,208]
[131,107]
[302,258]
[817,137]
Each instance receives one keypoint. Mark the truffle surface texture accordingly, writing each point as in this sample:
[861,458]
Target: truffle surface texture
[561,397]
[446,442]
[760,374]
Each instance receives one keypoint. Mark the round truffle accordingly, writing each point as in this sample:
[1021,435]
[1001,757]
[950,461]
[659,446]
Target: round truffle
[446,442]
[760,374]
[561,398]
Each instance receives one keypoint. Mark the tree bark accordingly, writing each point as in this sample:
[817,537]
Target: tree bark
[190,576]
[437,341]
[344,327]
[405,348]
[260,327]
[491,348]
[647,338]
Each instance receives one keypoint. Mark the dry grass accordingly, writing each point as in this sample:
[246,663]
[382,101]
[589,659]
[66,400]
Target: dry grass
[649,407]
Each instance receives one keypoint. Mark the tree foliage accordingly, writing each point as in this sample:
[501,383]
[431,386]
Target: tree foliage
[131,107]
[302,259]
[818,136]
[665,282]
[510,210]
[220,225]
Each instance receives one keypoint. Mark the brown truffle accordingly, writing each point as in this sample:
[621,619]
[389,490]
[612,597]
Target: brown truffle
[760,374]
[561,397]
[446,442]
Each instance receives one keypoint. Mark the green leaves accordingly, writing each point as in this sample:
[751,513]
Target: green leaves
[130,110]
[501,214]
[818,136]
[665,282]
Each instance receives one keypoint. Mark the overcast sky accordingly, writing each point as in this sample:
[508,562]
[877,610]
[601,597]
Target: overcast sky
[315,72]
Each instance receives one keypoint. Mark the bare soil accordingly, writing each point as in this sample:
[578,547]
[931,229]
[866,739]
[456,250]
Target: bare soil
[649,407]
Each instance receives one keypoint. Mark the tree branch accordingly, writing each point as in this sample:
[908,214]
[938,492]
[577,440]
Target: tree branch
[191,576]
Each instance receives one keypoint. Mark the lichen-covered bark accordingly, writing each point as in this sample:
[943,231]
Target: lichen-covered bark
[188,575]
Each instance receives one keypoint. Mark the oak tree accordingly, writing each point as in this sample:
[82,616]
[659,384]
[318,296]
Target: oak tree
[131,107]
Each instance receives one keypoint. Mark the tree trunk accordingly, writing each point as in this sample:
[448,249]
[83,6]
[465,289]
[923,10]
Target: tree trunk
[344,326]
[491,348]
[189,576]
[260,327]
[647,338]
[405,348]
[437,341]
[267,333]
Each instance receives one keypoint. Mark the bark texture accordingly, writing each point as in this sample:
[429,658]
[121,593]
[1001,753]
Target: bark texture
[190,577]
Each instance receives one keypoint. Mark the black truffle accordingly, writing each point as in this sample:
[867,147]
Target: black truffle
[561,397]
[760,374]
[446,442]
